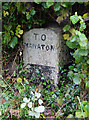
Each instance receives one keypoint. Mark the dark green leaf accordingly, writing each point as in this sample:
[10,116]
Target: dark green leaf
[77,56]
[66,28]
[76,79]
[83,52]
[70,74]
[74,19]
[13,42]
[5,6]
[57,7]
[49,4]
[83,26]
[72,45]
[33,12]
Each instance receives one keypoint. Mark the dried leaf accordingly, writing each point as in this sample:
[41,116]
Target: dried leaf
[19,80]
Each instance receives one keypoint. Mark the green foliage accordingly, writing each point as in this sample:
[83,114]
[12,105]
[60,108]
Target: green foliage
[74,19]
[19,17]
[57,7]
[16,17]
[13,42]
[79,74]
[84,108]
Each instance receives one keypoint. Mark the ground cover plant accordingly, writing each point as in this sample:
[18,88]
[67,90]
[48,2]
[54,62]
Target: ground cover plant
[23,98]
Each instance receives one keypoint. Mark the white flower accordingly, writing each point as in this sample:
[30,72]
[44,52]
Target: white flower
[30,104]
[31,113]
[33,98]
[20,53]
[39,109]
[23,105]
[36,114]
[0,113]
[37,95]
[32,93]
[40,101]
[32,109]
[26,100]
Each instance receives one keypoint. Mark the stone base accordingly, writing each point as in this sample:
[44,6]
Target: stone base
[39,73]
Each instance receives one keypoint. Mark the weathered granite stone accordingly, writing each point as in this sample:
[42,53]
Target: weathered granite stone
[45,48]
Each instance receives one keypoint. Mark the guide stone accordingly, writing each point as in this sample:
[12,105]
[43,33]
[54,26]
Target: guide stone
[44,48]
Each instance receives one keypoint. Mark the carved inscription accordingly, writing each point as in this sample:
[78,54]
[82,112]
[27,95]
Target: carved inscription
[39,46]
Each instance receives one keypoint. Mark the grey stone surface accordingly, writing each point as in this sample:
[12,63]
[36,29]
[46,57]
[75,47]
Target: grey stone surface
[45,47]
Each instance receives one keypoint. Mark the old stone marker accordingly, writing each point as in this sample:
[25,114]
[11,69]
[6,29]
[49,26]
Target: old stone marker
[45,48]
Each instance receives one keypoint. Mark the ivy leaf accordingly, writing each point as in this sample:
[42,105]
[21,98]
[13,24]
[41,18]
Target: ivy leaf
[77,56]
[73,38]
[28,16]
[83,26]
[13,42]
[5,6]
[19,7]
[70,74]
[57,7]
[83,40]
[59,19]
[48,4]
[72,45]
[21,32]
[83,52]
[66,28]
[76,79]
[72,30]
[66,36]
[82,37]
[33,12]
[74,19]
[86,16]
[87,61]
[37,1]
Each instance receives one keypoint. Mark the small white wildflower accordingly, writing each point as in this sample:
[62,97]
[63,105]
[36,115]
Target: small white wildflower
[37,95]
[0,113]
[34,98]
[20,53]
[30,104]
[31,113]
[37,114]
[26,100]
[23,105]
[39,109]
[32,93]
[40,101]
